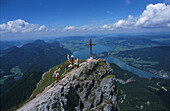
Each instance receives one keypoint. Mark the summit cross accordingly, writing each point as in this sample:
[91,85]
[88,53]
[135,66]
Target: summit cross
[91,48]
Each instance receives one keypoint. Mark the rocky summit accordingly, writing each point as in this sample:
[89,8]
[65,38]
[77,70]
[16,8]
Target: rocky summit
[80,89]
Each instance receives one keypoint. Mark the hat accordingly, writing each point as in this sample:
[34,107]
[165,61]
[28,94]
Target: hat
[72,56]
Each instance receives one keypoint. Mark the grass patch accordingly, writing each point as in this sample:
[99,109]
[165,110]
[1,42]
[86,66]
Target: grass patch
[92,94]
[81,87]
[109,76]
[44,102]
[108,101]
[89,99]
[92,78]
[88,109]
[101,106]
[58,108]
[101,63]
[37,105]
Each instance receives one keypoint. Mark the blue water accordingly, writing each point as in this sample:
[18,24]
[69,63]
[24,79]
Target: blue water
[17,77]
[85,53]
[124,66]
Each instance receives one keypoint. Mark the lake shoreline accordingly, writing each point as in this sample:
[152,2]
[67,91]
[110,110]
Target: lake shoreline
[84,54]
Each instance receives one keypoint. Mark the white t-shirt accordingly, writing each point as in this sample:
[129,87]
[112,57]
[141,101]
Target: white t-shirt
[57,74]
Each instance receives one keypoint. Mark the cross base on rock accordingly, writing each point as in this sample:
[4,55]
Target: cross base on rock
[90,63]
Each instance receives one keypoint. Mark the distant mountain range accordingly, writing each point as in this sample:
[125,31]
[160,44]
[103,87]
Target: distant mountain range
[129,41]
[34,57]
[37,56]
[7,44]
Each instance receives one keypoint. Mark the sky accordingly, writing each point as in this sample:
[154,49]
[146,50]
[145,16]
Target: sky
[24,19]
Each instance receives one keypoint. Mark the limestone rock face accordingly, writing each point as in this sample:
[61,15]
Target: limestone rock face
[80,90]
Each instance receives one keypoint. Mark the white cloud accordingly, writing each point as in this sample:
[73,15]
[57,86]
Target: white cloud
[125,23]
[3,27]
[20,26]
[85,28]
[69,28]
[42,27]
[77,29]
[107,27]
[155,16]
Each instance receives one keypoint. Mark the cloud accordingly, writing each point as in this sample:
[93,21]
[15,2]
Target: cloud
[121,24]
[42,27]
[69,28]
[125,23]
[155,16]
[78,29]
[20,26]
[107,27]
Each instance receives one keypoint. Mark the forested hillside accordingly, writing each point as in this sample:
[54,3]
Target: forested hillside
[153,59]
[37,56]
[137,93]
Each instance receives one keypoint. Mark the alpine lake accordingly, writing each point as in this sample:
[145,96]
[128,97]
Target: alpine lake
[85,53]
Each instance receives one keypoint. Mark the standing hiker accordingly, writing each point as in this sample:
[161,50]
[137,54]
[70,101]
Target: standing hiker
[68,57]
[77,61]
[57,75]
[72,60]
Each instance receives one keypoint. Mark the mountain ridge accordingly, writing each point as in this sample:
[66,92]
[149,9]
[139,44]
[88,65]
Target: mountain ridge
[35,53]
[79,89]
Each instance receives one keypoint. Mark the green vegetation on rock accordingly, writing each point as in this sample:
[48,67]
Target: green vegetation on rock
[49,78]
[109,76]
